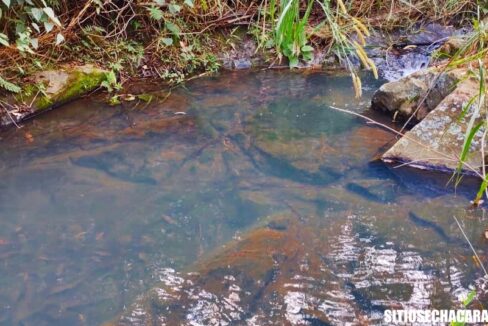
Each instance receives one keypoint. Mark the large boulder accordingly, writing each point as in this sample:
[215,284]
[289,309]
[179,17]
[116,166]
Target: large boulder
[416,94]
[52,88]
[437,141]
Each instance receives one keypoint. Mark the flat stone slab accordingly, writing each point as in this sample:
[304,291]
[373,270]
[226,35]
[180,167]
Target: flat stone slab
[437,141]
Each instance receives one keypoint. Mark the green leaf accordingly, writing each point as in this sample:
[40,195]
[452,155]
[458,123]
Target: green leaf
[36,27]
[467,143]
[59,39]
[307,56]
[173,28]
[167,41]
[470,298]
[287,52]
[466,303]
[38,64]
[52,16]
[481,191]
[9,86]
[293,62]
[307,48]
[174,8]
[34,43]
[4,39]
[20,27]
[37,13]
[48,26]
[105,84]
[7,3]
[111,78]
[156,13]
[189,3]
[466,108]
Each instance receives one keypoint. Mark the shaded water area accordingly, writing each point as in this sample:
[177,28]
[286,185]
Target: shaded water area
[241,199]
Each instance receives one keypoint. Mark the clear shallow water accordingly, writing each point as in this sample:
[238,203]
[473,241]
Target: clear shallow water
[258,206]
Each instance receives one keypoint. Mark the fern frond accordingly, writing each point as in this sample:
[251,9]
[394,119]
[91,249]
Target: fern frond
[5,84]
[156,13]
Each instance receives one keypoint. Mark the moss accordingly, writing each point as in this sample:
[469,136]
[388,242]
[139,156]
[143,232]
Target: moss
[145,97]
[43,103]
[114,100]
[29,90]
[79,83]
[413,98]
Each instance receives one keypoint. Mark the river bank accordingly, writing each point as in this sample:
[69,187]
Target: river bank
[394,54]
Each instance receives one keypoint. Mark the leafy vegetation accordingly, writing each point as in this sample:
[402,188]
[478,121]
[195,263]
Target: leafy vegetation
[9,86]
[290,37]
[174,39]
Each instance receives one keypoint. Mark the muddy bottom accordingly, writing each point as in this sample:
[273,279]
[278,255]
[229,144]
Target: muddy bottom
[241,199]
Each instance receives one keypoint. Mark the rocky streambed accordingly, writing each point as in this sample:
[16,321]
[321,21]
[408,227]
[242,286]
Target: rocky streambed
[241,199]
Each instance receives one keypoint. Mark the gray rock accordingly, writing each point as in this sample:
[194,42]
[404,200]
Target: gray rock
[54,80]
[430,33]
[60,86]
[240,64]
[241,56]
[437,141]
[416,94]
[452,45]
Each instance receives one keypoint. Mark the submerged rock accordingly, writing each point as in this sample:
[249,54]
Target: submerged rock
[240,64]
[287,272]
[224,289]
[53,88]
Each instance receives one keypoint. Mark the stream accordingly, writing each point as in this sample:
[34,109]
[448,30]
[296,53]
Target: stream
[239,199]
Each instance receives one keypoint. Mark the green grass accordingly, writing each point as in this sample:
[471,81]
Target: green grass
[472,57]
